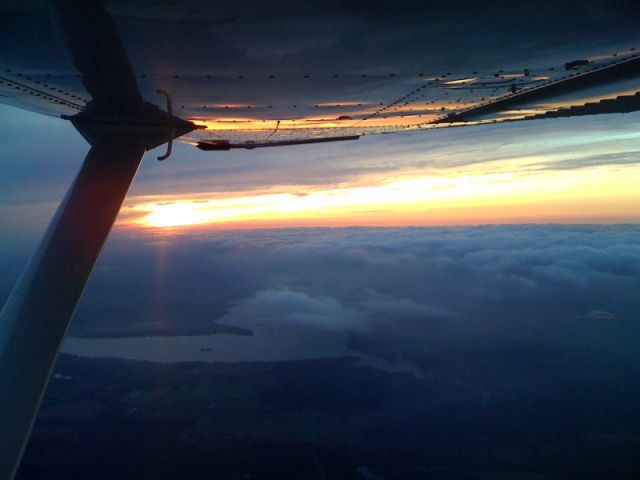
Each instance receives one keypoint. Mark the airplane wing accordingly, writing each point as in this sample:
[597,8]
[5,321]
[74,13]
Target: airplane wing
[358,105]
[248,99]
[591,86]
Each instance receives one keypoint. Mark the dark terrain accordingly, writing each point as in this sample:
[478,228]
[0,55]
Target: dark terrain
[330,418]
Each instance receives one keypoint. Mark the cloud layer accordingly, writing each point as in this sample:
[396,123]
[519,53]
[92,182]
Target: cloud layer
[409,293]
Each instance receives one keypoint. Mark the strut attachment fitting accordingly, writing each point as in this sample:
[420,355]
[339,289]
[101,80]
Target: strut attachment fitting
[170,125]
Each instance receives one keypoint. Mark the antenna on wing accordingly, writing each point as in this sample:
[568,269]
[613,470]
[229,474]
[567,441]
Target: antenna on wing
[272,133]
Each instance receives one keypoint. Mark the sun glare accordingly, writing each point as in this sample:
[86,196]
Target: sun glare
[173,214]
[418,199]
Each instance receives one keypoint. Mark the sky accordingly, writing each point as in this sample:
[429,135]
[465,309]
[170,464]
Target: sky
[573,172]
[576,170]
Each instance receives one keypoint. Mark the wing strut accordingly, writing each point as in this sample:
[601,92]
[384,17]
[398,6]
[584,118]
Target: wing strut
[36,317]
[119,125]
[170,124]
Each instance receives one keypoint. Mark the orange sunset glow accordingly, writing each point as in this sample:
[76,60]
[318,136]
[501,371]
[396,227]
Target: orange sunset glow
[604,194]
[406,116]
